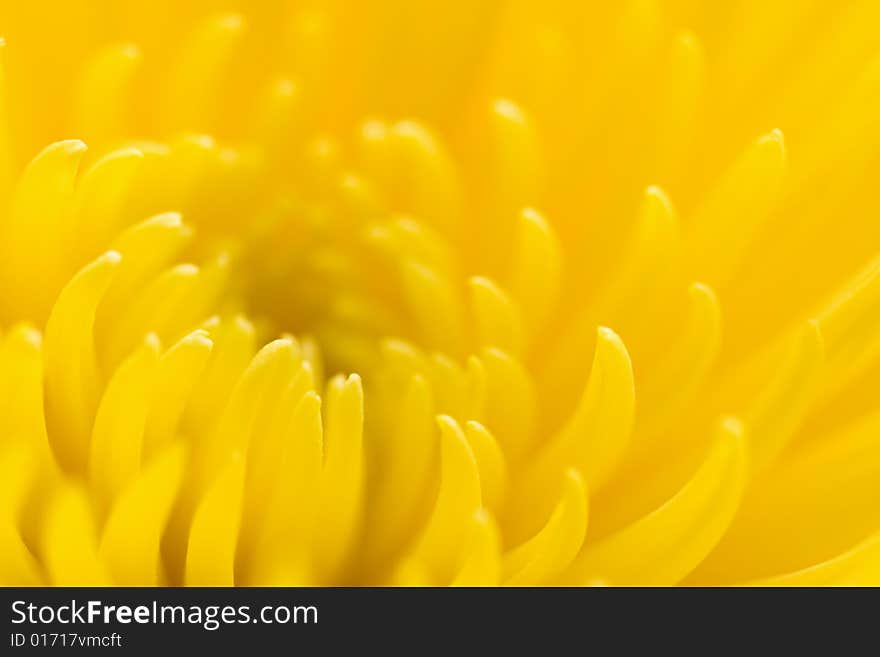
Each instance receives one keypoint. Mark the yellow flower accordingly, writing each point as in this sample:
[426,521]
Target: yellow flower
[439,292]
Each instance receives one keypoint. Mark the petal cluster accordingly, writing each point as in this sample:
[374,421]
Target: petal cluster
[441,293]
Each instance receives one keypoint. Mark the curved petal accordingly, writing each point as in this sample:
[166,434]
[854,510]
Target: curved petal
[550,552]
[664,546]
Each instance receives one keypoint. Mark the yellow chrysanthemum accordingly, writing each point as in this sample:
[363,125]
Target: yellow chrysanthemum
[566,311]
